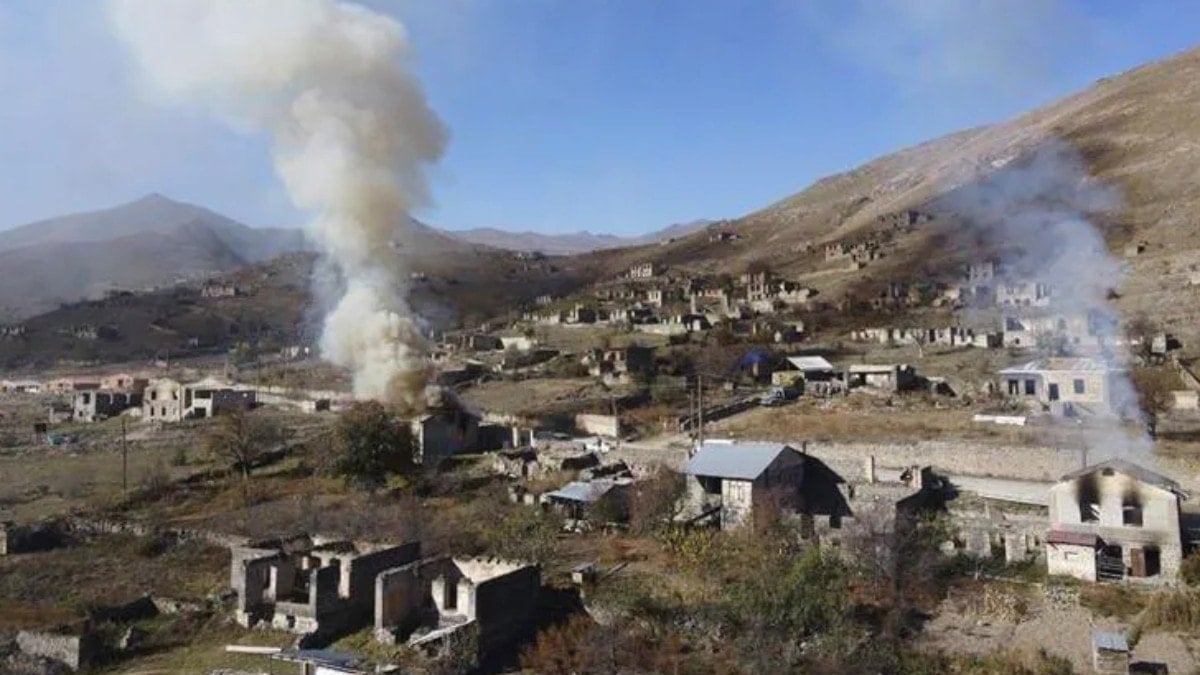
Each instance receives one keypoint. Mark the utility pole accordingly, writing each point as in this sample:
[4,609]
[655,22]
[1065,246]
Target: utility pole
[700,405]
[691,417]
[124,457]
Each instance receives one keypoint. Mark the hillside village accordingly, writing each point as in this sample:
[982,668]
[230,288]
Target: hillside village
[851,432]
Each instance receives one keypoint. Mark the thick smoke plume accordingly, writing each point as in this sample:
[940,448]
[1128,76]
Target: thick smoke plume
[1035,214]
[352,135]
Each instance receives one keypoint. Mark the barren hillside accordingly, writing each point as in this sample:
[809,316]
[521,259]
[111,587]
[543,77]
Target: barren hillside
[1138,132]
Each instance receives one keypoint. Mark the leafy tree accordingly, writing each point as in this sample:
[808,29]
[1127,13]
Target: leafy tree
[240,438]
[369,443]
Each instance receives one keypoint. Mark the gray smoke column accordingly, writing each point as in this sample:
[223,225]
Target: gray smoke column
[1036,213]
[352,135]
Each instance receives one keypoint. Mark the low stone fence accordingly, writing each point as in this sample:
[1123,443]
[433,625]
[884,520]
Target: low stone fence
[100,526]
[76,651]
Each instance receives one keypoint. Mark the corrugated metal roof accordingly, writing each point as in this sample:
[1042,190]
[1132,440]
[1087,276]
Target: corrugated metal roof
[345,661]
[809,363]
[1113,642]
[583,491]
[742,461]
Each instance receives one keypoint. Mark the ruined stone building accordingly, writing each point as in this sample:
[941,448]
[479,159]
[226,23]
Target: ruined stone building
[124,381]
[219,290]
[434,601]
[1078,333]
[446,428]
[1065,385]
[308,585]
[94,405]
[70,384]
[1115,520]
[633,359]
[647,270]
[892,377]
[168,400]
[1023,294]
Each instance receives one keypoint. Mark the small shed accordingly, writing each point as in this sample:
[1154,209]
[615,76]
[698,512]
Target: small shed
[802,367]
[603,498]
[1110,652]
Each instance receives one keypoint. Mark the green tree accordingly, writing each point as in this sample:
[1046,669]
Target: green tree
[369,443]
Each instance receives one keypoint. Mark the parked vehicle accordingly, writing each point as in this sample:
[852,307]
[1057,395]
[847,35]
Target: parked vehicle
[778,396]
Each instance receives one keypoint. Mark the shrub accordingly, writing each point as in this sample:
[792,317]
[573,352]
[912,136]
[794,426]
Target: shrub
[371,442]
[1189,569]
[1173,610]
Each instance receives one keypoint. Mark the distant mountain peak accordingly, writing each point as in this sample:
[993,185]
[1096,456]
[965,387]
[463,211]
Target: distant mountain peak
[581,241]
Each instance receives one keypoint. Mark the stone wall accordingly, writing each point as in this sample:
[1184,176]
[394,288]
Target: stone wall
[76,651]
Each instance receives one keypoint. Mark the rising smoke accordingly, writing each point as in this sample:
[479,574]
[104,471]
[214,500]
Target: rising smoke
[1036,214]
[352,135]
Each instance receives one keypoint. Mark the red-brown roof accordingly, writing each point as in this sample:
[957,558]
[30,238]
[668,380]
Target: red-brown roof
[1072,538]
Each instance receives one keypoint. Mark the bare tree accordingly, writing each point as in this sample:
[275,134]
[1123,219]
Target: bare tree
[656,500]
[240,438]
[1154,387]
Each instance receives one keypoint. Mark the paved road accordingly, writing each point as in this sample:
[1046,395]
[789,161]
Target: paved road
[1008,489]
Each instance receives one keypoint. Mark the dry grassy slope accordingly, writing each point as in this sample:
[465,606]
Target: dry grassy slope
[1139,131]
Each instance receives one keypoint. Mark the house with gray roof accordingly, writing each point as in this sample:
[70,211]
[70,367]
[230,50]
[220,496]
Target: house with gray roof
[734,482]
[602,498]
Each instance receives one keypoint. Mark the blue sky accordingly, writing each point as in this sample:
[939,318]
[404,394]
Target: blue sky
[609,115]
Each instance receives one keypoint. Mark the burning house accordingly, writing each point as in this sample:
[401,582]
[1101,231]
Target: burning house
[1115,520]
[1065,385]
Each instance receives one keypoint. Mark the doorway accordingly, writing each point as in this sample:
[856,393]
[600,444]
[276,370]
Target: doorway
[1053,392]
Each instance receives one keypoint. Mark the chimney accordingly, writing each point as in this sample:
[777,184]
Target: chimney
[869,469]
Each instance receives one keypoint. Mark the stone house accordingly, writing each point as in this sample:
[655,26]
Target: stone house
[444,430]
[1115,520]
[737,481]
[647,270]
[59,413]
[210,401]
[168,400]
[1076,332]
[219,290]
[94,405]
[633,359]
[885,377]
[163,400]
[1023,294]
[430,602]
[580,314]
[803,368]
[604,499]
[520,343]
[1064,384]
[69,384]
[20,386]
[124,381]
[311,586]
